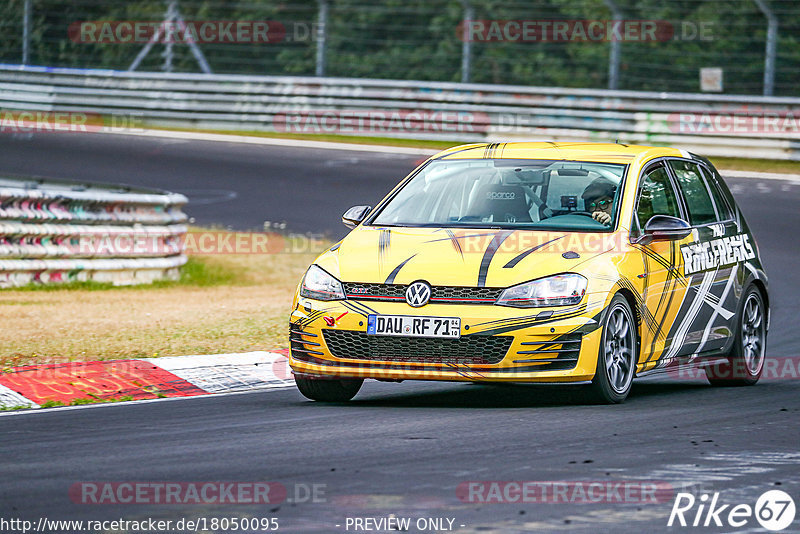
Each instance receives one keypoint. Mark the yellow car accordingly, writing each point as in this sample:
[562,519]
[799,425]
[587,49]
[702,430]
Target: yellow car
[537,262]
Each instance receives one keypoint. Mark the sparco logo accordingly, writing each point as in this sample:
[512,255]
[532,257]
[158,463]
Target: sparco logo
[501,195]
[418,294]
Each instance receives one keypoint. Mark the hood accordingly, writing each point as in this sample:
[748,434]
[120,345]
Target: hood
[460,257]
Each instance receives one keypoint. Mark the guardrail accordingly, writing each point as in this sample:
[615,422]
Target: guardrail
[742,126]
[54,231]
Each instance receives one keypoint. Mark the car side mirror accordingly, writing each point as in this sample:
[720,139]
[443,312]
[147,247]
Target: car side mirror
[665,228]
[355,215]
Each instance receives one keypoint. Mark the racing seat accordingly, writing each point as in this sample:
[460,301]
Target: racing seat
[504,203]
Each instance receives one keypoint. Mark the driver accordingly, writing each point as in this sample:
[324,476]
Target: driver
[598,197]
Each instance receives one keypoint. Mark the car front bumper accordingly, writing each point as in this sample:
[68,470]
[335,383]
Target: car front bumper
[502,344]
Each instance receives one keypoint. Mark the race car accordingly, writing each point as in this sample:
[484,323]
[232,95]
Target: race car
[537,262]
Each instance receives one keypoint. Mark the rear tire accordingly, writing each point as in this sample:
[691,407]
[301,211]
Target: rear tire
[746,359]
[618,354]
[323,390]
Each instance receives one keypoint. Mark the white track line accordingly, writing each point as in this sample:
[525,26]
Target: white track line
[133,402]
[730,173]
[274,141]
[385,149]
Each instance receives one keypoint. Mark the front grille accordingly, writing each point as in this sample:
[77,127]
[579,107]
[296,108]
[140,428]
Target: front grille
[439,294]
[555,353]
[475,350]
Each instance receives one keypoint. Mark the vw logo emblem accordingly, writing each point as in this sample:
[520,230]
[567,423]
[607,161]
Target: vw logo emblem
[418,294]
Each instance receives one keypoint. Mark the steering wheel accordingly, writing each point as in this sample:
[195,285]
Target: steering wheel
[585,213]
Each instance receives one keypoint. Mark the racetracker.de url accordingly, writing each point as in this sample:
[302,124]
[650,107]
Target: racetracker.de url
[130,526]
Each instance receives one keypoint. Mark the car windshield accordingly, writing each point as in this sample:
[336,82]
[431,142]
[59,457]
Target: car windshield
[573,195]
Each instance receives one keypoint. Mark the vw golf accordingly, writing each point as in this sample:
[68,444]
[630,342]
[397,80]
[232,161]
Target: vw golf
[537,262]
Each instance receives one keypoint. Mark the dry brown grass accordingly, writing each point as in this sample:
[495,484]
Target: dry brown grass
[227,304]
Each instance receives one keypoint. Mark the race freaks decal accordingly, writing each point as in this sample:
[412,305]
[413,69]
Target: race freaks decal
[716,253]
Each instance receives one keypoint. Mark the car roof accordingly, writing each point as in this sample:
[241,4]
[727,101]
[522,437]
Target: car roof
[598,152]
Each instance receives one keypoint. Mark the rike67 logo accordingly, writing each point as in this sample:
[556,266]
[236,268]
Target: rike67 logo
[774,510]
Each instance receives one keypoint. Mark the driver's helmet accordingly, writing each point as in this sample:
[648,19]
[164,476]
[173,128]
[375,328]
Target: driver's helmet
[599,188]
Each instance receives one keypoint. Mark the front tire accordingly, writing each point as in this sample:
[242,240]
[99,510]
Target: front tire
[618,354]
[746,360]
[323,390]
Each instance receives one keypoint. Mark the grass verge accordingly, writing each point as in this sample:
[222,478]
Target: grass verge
[222,303]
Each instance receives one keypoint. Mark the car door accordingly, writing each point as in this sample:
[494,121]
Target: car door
[706,261]
[664,286]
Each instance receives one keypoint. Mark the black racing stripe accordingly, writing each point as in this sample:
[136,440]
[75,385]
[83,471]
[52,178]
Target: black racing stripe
[477,146]
[396,271]
[669,288]
[525,322]
[384,239]
[457,237]
[494,245]
[522,326]
[671,269]
[505,322]
[511,264]
[362,308]
[673,278]
[661,334]
[313,316]
[491,148]
[454,240]
[647,317]
[352,307]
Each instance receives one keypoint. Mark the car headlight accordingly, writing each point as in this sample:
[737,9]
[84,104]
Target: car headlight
[319,285]
[557,290]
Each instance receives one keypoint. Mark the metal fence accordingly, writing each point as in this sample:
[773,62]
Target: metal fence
[731,46]
[54,232]
[739,126]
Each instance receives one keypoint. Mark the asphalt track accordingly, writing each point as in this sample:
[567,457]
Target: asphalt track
[399,449]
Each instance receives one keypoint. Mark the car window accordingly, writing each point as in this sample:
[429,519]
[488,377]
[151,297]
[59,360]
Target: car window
[656,196]
[695,193]
[723,210]
[573,195]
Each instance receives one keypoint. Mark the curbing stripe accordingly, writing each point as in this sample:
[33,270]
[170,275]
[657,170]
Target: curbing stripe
[144,379]
[10,399]
[99,380]
[230,372]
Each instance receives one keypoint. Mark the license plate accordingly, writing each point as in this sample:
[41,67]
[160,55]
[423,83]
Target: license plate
[406,325]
